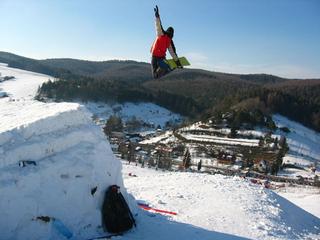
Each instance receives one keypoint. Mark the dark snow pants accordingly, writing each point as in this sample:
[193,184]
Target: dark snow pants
[159,67]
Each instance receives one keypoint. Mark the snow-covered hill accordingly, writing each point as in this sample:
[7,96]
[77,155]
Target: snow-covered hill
[68,157]
[72,158]
[304,148]
[214,207]
[149,113]
[25,83]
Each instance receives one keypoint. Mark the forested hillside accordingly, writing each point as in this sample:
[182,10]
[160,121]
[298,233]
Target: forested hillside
[112,70]
[298,100]
[191,92]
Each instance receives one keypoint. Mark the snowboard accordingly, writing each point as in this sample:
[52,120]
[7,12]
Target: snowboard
[173,65]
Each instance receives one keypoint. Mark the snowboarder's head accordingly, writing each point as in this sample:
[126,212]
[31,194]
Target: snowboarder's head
[170,32]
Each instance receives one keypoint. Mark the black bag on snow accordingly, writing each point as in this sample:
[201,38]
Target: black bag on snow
[116,215]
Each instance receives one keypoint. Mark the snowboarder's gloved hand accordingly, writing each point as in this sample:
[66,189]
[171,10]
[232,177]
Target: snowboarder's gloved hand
[178,64]
[156,12]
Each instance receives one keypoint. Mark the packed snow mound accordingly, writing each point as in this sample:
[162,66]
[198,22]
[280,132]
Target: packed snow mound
[70,159]
[215,207]
[29,118]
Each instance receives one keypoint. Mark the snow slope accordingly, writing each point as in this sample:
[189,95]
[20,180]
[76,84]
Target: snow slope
[305,197]
[146,112]
[25,84]
[302,141]
[213,207]
[304,148]
[71,157]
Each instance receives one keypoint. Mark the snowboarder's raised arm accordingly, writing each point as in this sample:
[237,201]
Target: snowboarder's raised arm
[172,51]
[159,28]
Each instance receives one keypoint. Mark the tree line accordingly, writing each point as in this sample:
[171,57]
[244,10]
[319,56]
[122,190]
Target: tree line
[91,89]
[251,103]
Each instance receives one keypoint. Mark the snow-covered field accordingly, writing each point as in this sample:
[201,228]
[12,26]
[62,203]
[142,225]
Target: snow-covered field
[72,157]
[305,197]
[222,140]
[161,138]
[146,112]
[25,84]
[213,207]
[304,146]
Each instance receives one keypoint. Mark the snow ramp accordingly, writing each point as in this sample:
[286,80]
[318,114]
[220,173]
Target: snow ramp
[54,164]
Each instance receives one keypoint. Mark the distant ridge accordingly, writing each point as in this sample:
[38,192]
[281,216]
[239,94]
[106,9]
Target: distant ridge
[192,92]
[113,68]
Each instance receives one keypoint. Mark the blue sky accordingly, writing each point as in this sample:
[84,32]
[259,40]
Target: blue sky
[280,37]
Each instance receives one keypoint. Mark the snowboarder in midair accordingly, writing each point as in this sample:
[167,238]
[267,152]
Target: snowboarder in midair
[159,48]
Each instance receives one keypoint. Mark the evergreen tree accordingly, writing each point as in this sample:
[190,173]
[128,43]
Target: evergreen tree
[114,124]
[233,132]
[186,159]
[199,165]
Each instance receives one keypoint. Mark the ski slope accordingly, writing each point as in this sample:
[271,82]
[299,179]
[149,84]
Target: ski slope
[304,150]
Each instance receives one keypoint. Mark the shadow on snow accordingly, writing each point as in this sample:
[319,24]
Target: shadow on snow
[158,227]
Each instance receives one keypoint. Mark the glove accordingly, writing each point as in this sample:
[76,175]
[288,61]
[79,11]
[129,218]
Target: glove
[178,64]
[156,12]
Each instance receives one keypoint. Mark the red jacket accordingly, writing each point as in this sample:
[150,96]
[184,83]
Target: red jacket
[160,46]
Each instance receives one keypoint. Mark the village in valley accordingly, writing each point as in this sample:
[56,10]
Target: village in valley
[211,147]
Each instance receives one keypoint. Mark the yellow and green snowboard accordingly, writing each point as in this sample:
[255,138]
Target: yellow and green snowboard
[173,65]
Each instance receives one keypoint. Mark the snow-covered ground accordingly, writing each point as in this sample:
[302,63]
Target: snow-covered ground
[72,157]
[301,140]
[24,85]
[221,140]
[304,147]
[161,138]
[146,112]
[65,157]
[305,197]
[213,207]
